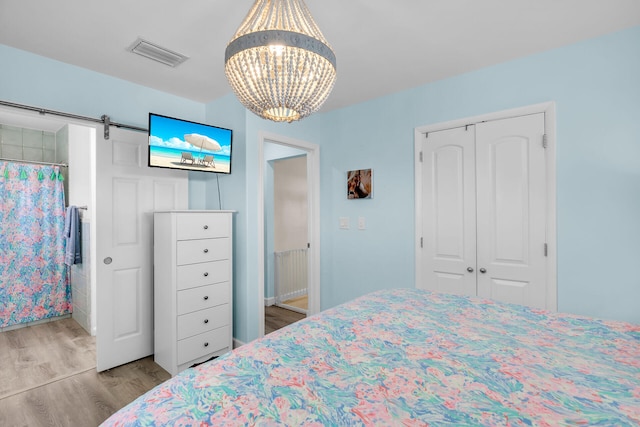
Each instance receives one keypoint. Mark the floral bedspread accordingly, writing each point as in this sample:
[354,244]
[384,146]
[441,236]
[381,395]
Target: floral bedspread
[414,358]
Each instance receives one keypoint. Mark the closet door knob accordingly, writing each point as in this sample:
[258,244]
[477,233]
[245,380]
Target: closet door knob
[206,320]
[206,251]
[206,297]
[206,227]
[470,269]
[206,274]
[483,270]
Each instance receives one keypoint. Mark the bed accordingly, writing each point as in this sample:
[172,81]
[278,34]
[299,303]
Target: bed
[414,358]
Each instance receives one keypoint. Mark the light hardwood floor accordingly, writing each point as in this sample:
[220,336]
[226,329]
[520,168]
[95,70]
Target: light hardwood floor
[276,318]
[299,302]
[48,378]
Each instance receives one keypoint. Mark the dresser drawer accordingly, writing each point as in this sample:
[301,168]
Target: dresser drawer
[202,297]
[202,226]
[200,345]
[206,273]
[195,323]
[194,251]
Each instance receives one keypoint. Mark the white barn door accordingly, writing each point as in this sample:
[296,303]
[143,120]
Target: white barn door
[484,204]
[127,193]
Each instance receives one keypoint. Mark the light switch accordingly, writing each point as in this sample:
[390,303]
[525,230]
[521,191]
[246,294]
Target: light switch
[344,222]
[361,223]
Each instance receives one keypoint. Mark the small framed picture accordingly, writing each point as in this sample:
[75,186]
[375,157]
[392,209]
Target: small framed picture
[360,184]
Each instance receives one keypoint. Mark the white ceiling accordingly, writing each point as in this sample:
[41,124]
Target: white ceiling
[382,46]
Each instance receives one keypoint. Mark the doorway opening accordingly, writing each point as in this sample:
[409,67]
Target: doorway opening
[70,144]
[289,233]
[32,138]
[286,231]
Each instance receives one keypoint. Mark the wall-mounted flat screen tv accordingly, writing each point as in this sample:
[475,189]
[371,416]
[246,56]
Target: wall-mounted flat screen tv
[181,144]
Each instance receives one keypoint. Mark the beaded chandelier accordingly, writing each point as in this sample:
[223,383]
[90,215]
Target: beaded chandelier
[278,63]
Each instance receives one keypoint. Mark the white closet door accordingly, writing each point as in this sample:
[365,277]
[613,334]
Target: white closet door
[511,206]
[449,248]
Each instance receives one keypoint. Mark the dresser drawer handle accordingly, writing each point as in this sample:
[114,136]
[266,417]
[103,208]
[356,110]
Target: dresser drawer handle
[206,297]
[206,227]
[206,344]
[206,251]
[206,320]
[206,274]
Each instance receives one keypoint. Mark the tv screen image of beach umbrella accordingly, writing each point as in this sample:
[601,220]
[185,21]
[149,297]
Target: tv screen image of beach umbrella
[202,142]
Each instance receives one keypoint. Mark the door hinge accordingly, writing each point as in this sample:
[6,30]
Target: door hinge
[421,157]
[107,122]
[546,249]
[421,242]
[545,141]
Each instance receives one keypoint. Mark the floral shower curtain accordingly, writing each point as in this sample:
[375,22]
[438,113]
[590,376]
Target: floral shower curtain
[33,280]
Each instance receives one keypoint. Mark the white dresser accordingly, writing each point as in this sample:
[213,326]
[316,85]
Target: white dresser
[192,287]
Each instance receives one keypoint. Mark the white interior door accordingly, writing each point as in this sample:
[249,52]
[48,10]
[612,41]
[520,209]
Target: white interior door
[127,193]
[511,201]
[449,209]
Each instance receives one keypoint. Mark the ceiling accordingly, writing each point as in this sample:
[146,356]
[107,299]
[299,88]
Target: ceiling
[382,46]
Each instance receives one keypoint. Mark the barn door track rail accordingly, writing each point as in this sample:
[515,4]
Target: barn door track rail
[105,120]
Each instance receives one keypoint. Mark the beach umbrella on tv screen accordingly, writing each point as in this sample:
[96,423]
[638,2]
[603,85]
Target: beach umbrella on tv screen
[202,142]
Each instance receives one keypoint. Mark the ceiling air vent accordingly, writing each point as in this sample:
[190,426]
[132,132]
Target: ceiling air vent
[157,53]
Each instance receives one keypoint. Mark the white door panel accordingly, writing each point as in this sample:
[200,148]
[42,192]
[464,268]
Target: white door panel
[453,283]
[127,193]
[511,210]
[510,291]
[449,212]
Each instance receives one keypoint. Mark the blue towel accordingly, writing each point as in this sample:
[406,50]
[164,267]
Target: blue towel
[73,252]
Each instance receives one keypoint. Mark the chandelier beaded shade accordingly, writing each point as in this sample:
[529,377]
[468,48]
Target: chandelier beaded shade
[278,63]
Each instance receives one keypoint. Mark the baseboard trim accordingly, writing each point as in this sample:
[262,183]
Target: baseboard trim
[237,343]
[268,302]
[35,322]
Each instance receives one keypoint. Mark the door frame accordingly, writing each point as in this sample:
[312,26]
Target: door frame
[313,186]
[36,119]
[549,110]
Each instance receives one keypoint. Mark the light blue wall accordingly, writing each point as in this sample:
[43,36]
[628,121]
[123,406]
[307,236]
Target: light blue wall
[42,82]
[596,87]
